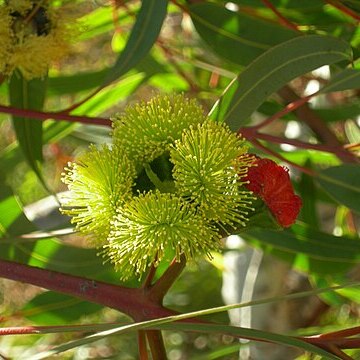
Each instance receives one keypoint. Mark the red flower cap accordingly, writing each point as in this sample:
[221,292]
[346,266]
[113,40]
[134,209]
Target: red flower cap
[271,182]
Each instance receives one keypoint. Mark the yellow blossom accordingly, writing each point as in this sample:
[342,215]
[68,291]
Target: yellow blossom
[34,34]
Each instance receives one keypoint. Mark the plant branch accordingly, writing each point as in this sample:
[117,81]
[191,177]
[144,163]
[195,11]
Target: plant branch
[143,354]
[157,292]
[156,344]
[149,278]
[282,19]
[292,106]
[248,133]
[344,9]
[303,169]
[341,333]
[131,301]
[316,124]
[40,115]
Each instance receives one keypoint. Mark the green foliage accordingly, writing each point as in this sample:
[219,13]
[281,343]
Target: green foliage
[244,62]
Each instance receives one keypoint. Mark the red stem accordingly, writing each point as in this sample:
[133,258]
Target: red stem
[282,19]
[341,343]
[149,278]
[157,292]
[248,133]
[83,101]
[287,109]
[258,144]
[156,343]
[316,124]
[343,9]
[133,302]
[143,354]
[40,115]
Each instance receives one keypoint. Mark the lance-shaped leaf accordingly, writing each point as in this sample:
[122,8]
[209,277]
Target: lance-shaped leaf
[143,35]
[345,80]
[235,36]
[343,184]
[274,69]
[28,94]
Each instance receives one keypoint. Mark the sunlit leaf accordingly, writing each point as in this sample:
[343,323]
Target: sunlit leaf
[237,37]
[52,308]
[272,70]
[167,323]
[142,37]
[29,94]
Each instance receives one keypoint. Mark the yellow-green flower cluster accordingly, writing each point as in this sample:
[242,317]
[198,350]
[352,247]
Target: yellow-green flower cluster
[150,224]
[206,160]
[99,182]
[34,34]
[147,130]
[201,191]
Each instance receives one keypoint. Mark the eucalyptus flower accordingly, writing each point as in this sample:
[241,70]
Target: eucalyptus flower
[99,183]
[203,190]
[147,130]
[5,37]
[34,34]
[271,183]
[206,161]
[151,223]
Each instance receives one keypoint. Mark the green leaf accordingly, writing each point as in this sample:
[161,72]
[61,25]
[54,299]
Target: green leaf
[110,95]
[339,113]
[143,35]
[12,218]
[28,95]
[352,131]
[343,184]
[345,80]
[99,22]
[29,132]
[237,37]
[308,249]
[253,334]
[290,4]
[308,196]
[52,308]
[73,84]
[167,323]
[272,70]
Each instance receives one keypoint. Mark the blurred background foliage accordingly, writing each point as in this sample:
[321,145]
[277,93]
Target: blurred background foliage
[261,55]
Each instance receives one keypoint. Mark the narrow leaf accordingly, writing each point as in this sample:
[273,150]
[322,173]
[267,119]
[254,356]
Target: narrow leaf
[272,70]
[143,35]
[52,308]
[235,36]
[343,184]
[308,249]
[345,80]
[28,95]
[165,324]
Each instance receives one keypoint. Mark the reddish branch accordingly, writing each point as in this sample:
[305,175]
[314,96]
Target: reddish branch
[309,117]
[299,105]
[162,286]
[40,115]
[283,20]
[344,9]
[143,354]
[249,134]
[131,301]
[136,303]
